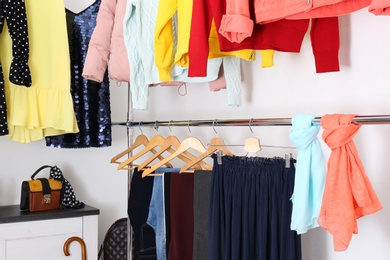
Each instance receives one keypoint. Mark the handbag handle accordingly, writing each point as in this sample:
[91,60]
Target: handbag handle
[40,169]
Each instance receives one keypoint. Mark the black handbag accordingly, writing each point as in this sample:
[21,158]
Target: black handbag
[48,193]
[41,193]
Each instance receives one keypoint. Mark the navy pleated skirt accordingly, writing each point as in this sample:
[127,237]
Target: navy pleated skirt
[250,210]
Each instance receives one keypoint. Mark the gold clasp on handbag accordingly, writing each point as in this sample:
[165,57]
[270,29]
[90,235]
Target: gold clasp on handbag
[46,199]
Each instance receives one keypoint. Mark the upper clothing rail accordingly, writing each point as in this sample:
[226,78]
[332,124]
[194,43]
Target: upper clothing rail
[361,119]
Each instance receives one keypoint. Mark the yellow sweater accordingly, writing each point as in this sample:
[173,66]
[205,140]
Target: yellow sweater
[174,21]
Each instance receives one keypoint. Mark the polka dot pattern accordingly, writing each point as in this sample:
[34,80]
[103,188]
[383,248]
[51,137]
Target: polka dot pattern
[3,108]
[15,14]
[68,198]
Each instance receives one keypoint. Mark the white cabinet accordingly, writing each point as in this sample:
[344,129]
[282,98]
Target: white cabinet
[41,235]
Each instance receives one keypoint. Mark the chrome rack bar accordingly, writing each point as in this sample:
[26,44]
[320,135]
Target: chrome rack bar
[368,119]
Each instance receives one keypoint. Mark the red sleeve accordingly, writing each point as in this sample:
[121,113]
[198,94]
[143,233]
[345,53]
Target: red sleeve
[198,50]
[325,41]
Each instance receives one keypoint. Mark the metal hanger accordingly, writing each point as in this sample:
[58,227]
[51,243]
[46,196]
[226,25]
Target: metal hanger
[252,144]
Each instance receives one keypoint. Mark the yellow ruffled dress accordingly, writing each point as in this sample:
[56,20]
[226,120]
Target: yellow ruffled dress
[45,108]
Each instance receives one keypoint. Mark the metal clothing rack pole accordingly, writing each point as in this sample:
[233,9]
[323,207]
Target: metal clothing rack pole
[363,119]
[130,133]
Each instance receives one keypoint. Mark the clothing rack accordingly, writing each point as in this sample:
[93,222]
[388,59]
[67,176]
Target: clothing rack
[363,119]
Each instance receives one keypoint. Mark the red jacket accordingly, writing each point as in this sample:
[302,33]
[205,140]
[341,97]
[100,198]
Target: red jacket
[282,35]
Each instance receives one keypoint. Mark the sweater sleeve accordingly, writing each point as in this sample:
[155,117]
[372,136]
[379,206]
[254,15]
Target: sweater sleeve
[163,38]
[325,42]
[198,50]
[379,7]
[236,24]
[267,58]
[231,66]
[98,53]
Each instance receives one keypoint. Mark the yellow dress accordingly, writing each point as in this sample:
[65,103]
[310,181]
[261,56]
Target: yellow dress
[45,108]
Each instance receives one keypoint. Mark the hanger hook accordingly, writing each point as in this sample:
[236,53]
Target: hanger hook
[156,125]
[139,126]
[215,120]
[250,123]
[169,126]
[189,121]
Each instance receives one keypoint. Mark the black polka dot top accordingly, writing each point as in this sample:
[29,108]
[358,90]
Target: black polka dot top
[14,12]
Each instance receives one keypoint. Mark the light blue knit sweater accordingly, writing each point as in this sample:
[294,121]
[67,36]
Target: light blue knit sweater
[138,26]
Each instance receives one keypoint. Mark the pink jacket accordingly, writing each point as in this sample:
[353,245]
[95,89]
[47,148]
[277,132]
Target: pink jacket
[107,47]
[379,7]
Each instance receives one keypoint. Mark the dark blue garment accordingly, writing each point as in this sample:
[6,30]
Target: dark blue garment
[91,100]
[138,211]
[250,210]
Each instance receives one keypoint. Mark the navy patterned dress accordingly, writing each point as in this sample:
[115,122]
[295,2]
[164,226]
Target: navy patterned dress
[91,99]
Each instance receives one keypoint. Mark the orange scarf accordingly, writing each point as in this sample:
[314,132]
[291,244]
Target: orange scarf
[348,193]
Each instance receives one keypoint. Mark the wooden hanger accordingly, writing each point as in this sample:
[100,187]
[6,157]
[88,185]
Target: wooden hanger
[140,140]
[252,144]
[188,143]
[216,144]
[156,140]
[172,141]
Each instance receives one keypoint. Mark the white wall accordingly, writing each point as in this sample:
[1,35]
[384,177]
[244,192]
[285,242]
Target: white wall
[95,181]
[290,87]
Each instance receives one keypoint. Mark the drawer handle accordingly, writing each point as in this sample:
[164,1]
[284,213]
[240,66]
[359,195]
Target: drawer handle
[82,244]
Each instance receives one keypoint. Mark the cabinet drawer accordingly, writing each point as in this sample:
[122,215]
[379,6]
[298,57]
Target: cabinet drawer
[42,235]
[42,248]
[41,228]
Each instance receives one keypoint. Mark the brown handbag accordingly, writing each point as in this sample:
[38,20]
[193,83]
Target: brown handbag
[41,193]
